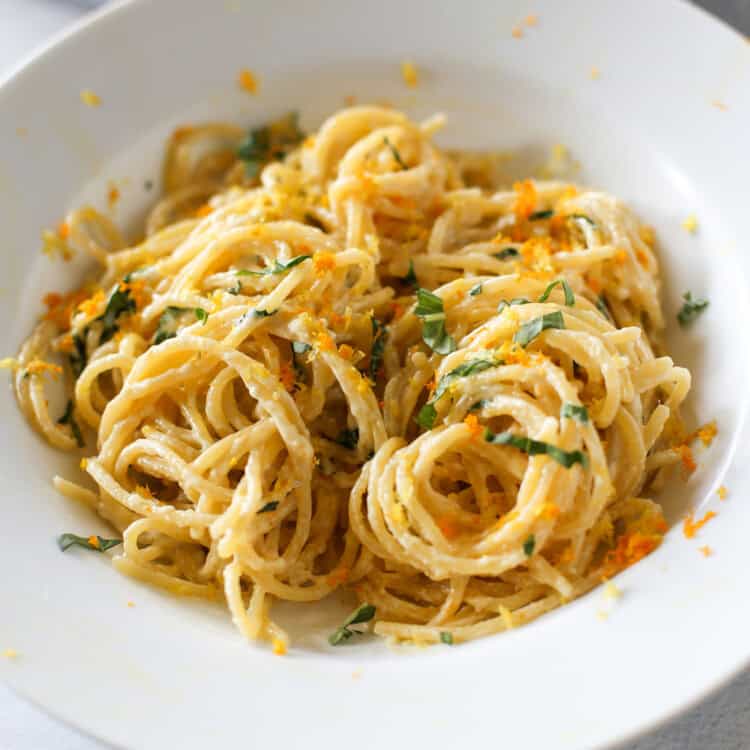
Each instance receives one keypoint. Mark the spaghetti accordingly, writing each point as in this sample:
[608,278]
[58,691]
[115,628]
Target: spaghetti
[356,362]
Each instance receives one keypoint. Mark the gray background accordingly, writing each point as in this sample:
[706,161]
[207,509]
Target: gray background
[720,723]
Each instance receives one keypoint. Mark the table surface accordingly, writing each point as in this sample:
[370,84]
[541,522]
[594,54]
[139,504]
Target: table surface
[720,723]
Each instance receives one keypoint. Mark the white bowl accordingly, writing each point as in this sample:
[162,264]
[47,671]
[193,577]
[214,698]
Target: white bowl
[170,672]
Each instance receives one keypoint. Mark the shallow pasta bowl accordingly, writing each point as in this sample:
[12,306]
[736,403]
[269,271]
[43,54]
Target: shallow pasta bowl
[665,131]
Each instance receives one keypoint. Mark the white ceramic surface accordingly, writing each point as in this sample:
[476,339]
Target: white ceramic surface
[170,672]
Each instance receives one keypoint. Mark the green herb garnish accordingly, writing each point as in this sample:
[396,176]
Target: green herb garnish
[276,268]
[532,328]
[601,306]
[570,298]
[430,309]
[313,220]
[69,418]
[537,448]
[299,347]
[168,322]
[363,613]
[269,143]
[538,215]
[411,277]
[118,304]
[515,301]
[201,314]
[236,289]
[379,336]
[348,438]
[93,542]
[446,637]
[78,358]
[475,290]
[263,313]
[505,253]
[528,545]
[395,153]
[427,414]
[269,506]
[691,309]
[581,217]
[575,411]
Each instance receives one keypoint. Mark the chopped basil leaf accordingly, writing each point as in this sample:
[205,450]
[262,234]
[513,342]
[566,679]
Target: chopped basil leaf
[379,336]
[263,313]
[299,347]
[575,411]
[119,303]
[430,309]
[528,545]
[276,268]
[532,328]
[269,142]
[427,414]
[537,447]
[201,314]
[269,506]
[515,301]
[538,215]
[475,290]
[470,367]
[69,418]
[78,357]
[570,298]
[446,637]
[581,217]
[363,613]
[395,153]
[236,289]
[313,220]
[505,253]
[601,306]
[691,309]
[93,542]
[168,322]
[348,438]
[478,405]
[411,277]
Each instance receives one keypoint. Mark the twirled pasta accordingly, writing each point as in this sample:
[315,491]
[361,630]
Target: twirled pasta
[273,418]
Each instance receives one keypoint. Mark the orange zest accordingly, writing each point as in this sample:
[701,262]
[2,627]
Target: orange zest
[248,81]
[346,351]
[690,527]
[549,511]
[113,195]
[324,342]
[526,198]
[686,458]
[323,262]
[91,306]
[475,429]
[631,547]
[39,367]
[286,376]
[338,576]
[448,527]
